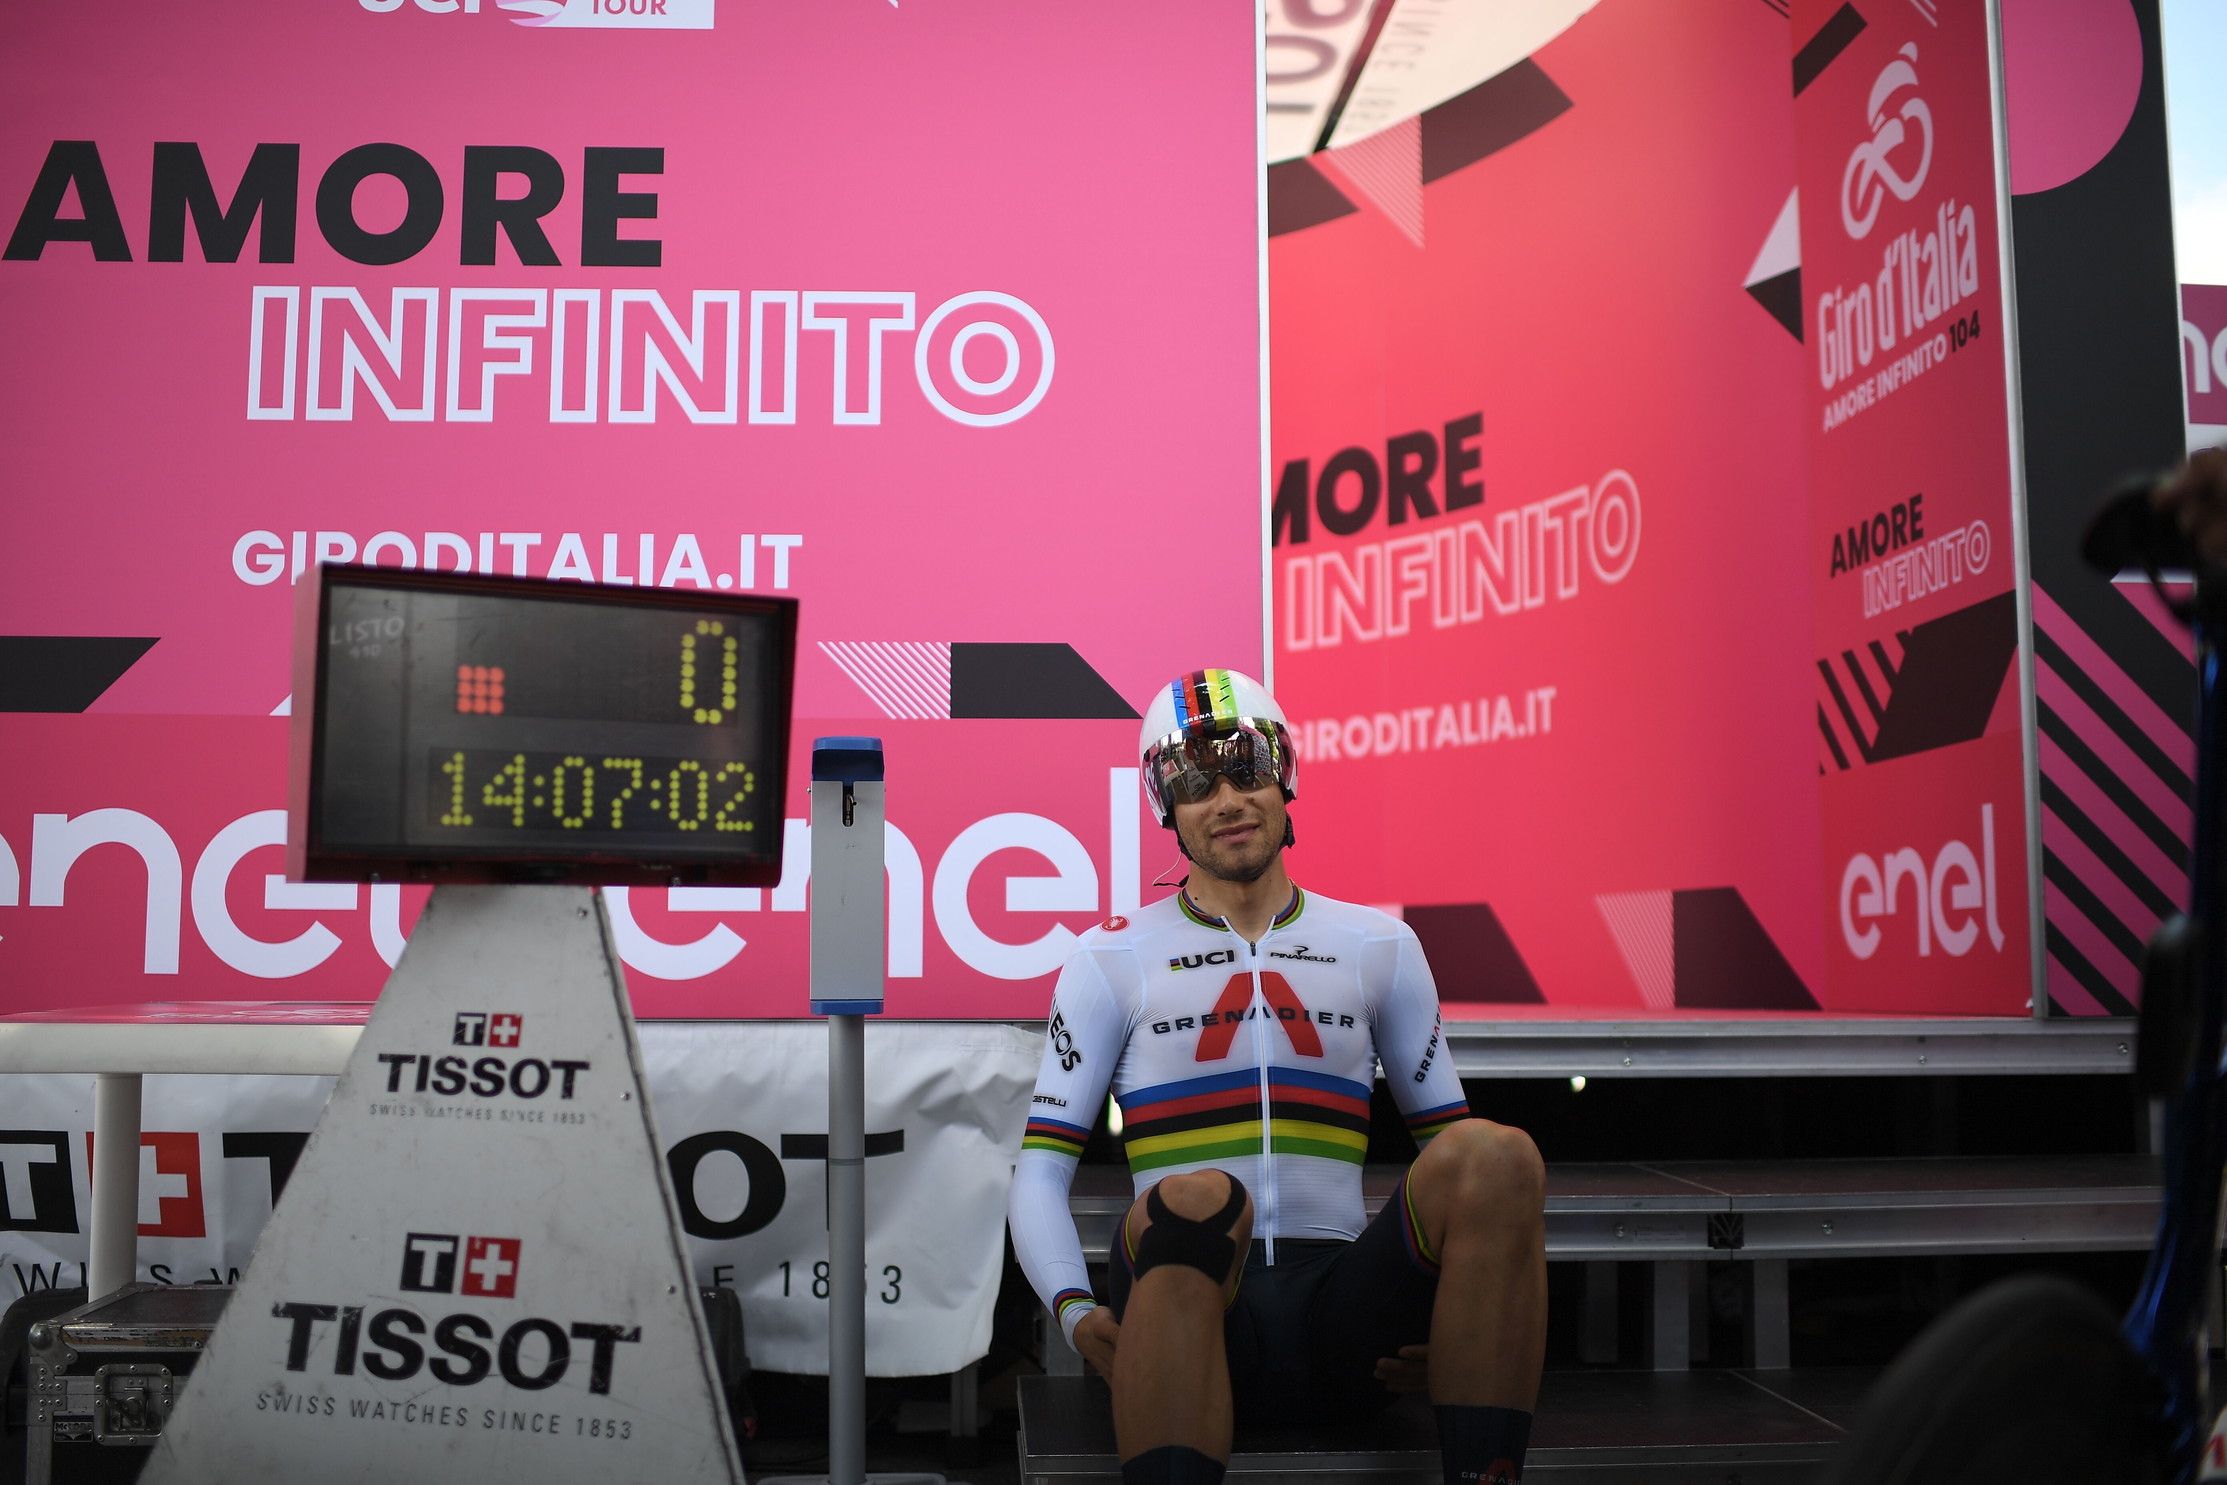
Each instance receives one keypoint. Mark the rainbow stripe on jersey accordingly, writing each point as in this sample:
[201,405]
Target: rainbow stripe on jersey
[1201,1120]
[1430,1121]
[1054,1136]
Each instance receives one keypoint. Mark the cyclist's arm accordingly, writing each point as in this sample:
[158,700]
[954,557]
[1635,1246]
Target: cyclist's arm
[1083,1042]
[1410,1042]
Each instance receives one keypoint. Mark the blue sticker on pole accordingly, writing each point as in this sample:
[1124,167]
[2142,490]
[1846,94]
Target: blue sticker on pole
[846,760]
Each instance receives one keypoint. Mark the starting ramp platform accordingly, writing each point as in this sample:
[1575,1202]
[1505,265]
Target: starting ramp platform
[1593,1428]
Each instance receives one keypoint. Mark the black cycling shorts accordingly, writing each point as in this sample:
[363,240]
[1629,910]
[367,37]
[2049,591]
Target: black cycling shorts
[1304,1337]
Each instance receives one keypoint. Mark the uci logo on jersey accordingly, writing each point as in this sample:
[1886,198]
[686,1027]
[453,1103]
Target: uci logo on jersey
[1200,961]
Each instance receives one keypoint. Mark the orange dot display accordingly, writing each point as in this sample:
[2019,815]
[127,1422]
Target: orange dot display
[479,690]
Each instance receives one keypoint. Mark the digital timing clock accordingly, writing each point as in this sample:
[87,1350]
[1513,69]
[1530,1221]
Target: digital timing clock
[454,727]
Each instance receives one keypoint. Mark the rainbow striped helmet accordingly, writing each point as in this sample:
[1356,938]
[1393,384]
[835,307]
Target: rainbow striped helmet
[1211,723]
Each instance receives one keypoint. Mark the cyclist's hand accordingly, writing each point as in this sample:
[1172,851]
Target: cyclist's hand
[1407,1372]
[1096,1335]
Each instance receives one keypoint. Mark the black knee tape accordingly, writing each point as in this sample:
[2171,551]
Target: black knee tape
[1204,1245]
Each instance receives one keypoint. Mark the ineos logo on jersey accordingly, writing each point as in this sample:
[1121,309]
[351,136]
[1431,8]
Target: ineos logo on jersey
[1196,961]
[479,1029]
[1063,1043]
[1947,894]
[1872,173]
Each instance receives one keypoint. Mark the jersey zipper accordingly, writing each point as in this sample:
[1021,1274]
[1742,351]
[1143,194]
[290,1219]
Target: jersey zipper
[1261,1015]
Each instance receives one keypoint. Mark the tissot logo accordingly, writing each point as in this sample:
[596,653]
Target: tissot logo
[1895,159]
[490,1269]
[479,1029]
[483,1077]
[462,1350]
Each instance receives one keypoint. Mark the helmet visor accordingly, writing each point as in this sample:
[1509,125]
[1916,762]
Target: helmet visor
[1251,756]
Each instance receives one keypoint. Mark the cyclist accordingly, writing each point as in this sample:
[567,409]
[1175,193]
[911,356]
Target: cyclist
[1239,1024]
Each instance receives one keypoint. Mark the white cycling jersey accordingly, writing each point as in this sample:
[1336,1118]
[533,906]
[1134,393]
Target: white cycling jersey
[1255,1059]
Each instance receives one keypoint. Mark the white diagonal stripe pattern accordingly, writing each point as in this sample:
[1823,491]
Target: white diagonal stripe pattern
[1387,168]
[909,679]
[1641,923]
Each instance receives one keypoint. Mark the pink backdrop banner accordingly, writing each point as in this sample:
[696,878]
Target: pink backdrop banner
[1584,435]
[1537,487]
[942,319]
[1920,753]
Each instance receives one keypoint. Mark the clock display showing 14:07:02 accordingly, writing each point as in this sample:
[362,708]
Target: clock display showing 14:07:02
[476,789]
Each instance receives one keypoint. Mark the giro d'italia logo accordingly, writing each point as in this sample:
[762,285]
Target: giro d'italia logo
[1894,161]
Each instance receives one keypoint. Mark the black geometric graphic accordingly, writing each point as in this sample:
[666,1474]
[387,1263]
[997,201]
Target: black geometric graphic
[1953,668]
[1472,956]
[1457,133]
[1820,50]
[1938,685]
[1029,680]
[1300,197]
[62,673]
[1725,961]
[1502,109]
[1781,297]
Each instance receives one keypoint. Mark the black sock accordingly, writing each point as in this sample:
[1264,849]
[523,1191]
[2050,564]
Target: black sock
[1482,1446]
[1171,1464]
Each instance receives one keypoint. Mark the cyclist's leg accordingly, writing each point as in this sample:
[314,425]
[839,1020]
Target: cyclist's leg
[1475,1207]
[1183,1245]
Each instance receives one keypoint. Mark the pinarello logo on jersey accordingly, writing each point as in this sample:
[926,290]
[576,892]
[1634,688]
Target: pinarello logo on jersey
[1895,159]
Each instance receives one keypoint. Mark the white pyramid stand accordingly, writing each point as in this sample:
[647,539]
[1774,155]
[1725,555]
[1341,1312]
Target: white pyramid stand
[532,1229]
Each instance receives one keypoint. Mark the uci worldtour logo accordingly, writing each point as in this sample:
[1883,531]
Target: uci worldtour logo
[657,15]
[1882,166]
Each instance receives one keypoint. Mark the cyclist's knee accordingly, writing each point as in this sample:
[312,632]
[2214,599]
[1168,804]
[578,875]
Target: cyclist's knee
[1198,1220]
